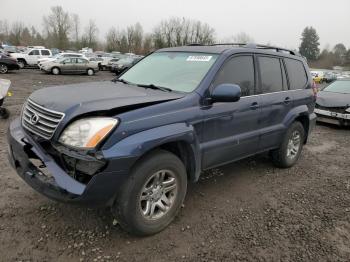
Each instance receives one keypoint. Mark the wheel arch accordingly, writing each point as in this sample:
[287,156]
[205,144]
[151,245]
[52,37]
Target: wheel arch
[301,114]
[179,139]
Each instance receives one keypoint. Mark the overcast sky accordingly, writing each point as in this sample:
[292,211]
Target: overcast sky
[279,22]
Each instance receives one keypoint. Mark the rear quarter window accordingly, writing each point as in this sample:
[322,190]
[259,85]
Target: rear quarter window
[296,74]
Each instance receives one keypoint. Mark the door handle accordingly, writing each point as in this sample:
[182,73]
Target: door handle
[287,100]
[254,106]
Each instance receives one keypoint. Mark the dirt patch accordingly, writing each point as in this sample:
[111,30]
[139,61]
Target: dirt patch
[246,211]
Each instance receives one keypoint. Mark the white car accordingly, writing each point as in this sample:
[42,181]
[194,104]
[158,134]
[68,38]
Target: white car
[31,56]
[41,61]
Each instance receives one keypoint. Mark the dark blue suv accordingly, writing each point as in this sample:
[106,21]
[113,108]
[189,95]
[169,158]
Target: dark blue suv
[135,142]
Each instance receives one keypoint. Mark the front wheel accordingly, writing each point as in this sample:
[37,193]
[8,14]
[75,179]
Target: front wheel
[3,69]
[289,151]
[153,194]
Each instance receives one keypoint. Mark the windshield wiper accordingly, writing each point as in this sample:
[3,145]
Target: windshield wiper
[152,86]
[121,80]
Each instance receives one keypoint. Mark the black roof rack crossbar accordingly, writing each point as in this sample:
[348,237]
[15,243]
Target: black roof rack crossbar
[253,46]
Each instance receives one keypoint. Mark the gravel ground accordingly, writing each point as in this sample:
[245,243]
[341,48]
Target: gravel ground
[246,211]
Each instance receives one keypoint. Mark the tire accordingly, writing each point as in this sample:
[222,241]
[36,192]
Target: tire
[133,205]
[90,72]
[3,69]
[289,151]
[4,113]
[55,71]
[21,63]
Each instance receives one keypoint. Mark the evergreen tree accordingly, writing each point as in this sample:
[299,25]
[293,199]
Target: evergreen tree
[309,44]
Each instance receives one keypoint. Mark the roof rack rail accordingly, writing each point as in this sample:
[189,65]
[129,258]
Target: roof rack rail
[258,46]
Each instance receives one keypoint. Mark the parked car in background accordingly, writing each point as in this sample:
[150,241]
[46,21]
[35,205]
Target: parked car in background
[97,60]
[330,77]
[333,103]
[7,63]
[134,144]
[41,61]
[112,62]
[70,66]
[124,64]
[31,56]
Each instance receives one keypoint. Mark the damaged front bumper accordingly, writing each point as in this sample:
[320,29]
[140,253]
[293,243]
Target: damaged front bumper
[56,184]
[330,117]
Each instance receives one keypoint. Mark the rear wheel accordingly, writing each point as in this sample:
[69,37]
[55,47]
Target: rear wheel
[153,194]
[3,69]
[55,71]
[289,152]
[90,72]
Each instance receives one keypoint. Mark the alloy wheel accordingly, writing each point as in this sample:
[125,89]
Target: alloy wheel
[294,144]
[158,194]
[3,69]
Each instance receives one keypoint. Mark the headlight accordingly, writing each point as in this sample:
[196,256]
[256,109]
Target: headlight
[348,110]
[87,132]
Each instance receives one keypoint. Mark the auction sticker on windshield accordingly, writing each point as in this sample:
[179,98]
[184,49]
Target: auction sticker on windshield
[199,58]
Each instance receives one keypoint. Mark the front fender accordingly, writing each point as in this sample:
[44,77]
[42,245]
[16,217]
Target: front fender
[135,146]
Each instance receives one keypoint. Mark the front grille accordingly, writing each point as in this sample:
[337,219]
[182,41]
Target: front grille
[40,120]
[332,109]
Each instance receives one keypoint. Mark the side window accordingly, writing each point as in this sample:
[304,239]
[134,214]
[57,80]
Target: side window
[45,52]
[238,70]
[296,74]
[271,74]
[81,61]
[34,52]
[67,61]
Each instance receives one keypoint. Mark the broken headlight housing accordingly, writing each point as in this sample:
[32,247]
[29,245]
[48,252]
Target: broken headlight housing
[87,133]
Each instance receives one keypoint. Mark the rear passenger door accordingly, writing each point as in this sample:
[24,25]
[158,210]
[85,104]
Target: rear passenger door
[231,129]
[276,102]
[68,65]
[81,65]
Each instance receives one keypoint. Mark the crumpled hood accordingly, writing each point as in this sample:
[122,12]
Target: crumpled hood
[97,96]
[330,99]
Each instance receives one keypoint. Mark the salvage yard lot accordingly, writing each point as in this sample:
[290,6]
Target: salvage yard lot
[248,210]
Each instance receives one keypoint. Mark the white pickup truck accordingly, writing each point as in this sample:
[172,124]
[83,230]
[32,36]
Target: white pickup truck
[31,57]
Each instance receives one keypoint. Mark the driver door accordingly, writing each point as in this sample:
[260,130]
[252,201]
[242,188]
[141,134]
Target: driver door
[231,129]
[33,57]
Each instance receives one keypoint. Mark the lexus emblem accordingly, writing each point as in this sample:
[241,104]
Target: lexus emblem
[34,119]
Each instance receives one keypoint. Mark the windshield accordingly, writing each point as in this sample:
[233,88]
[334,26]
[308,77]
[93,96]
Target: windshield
[342,86]
[179,71]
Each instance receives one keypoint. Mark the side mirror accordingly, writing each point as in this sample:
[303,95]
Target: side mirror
[226,93]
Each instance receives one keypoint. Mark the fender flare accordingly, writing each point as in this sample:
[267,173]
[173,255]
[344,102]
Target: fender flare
[294,114]
[137,145]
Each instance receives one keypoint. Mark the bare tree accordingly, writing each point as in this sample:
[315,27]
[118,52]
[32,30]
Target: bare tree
[16,33]
[243,38]
[76,29]
[91,34]
[58,25]
[113,39]
[176,31]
